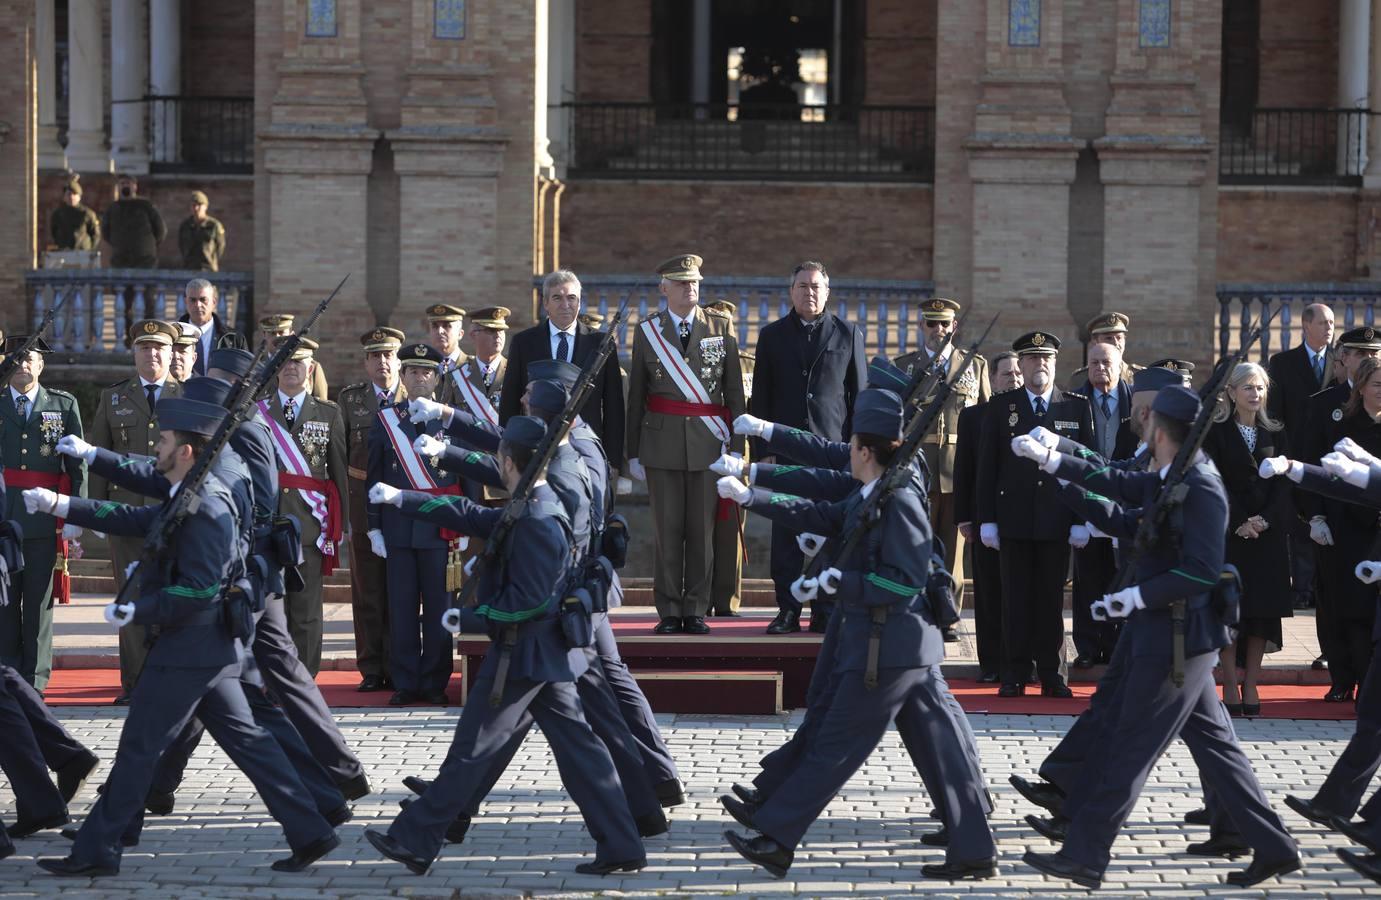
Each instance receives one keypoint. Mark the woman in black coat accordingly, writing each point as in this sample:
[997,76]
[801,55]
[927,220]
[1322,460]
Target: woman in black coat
[1243,435]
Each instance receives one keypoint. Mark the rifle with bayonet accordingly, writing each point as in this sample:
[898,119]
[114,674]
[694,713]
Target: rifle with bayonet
[11,360]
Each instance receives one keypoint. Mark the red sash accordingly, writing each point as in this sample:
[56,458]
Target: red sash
[61,482]
[333,527]
[669,407]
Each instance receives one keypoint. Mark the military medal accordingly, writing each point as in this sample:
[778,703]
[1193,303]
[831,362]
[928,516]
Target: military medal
[1013,418]
[50,427]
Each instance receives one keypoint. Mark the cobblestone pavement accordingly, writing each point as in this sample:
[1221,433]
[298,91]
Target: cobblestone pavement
[219,841]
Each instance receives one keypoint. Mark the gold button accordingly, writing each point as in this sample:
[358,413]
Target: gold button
[285,490]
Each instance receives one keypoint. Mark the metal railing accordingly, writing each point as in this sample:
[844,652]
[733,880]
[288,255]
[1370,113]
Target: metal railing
[884,310]
[1293,146]
[103,303]
[751,141]
[210,135]
[1239,305]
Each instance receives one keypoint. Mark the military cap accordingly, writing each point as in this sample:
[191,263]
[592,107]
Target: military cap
[304,349]
[1036,343]
[194,416]
[15,341]
[73,183]
[495,317]
[1179,365]
[553,370]
[231,359]
[685,267]
[200,197]
[153,331]
[272,324]
[591,319]
[1176,402]
[940,309]
[1154,378]
[878,412]
[882,374]
[420,355]
[1363,338]
[382,338]
[444,312]
[1108,323]
[206,390]
[524,431]
[187,334]
[547,396]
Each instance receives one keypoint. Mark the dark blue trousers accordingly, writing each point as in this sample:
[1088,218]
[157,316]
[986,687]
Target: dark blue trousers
[637,712]
[419,650]
[21,759]
[54,741]
[1343,788]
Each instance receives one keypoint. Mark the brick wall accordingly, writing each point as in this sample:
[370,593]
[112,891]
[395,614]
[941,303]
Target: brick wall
[16,161]
[613,50]
[899,51]
[859,231]
[1287,234]
[1299,54]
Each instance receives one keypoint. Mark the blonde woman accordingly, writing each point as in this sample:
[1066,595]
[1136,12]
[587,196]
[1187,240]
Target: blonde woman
[1243,435]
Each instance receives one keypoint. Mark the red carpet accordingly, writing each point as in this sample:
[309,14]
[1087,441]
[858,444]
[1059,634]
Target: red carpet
[99,687]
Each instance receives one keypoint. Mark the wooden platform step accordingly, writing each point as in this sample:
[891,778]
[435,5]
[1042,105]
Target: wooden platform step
[726,691]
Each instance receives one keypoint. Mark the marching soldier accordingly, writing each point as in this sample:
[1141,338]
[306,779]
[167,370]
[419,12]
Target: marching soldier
[182,361]
[938,317]
[1111,328]
[726,585]
[309,438]
[445,328]
[279,325]
[125,423]
[359,406]
[685,388]
[32,421]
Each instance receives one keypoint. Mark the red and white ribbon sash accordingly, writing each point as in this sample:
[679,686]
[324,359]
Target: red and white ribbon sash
[291,459]
[685,380]
[413,467]
[474,398]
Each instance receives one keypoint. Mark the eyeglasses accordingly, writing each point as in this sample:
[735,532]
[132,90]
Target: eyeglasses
[933,323]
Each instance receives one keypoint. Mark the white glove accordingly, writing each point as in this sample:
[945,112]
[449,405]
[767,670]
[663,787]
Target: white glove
[1045,437]
[40,500]
[731,488]
[1078,536]
[752,426]
[1368,571]
[1034,450]
[450,620]
[71,532]
[1095,532]
[635,469]
[426,445]
[1349,447]
[829,580]
[129,569]
[119,614]
[376,542]
[424,410]
[1099,610]
[71,445]
[728,464]
[386,493]
[624,486]
[470,566]
[1320,533]
[463,543]
[1272,466]
[805,589]
[810,544]
[1124,602]
[1338,465]
[987,533]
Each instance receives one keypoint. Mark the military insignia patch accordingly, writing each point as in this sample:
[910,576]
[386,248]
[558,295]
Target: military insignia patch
[1012,419]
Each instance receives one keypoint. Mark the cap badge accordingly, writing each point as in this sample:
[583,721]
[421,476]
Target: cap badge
[937,304]
[377,336]
[150,327]
[1038,339]
[1369,334]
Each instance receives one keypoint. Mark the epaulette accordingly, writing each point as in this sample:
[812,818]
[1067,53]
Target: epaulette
[1006,392]
[64,394]
[357,386]
[719,313]
[113,384]
[331,403]
[1074,393]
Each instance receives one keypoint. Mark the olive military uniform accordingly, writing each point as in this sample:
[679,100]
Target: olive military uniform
[75,228]
[201,243]
[447,391]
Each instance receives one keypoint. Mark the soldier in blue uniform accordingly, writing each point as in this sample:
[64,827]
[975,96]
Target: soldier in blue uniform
[192,668]
[531,668]
[1150,709]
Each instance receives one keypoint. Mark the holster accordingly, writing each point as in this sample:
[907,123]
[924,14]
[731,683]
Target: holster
[576,626]
[614,543]
[12,546]
[285,537]
[237,609]
[939,593]
[1226,598]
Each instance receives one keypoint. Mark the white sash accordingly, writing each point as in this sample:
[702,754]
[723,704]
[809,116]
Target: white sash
[413,467]
[686,382]
[474,398]
[291,459]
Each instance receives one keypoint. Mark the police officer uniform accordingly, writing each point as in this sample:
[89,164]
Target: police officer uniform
[125,423]
[29,432]
[35,741]
[1109,323]
[447,390]
[675,448]
[359,406]
[280,324]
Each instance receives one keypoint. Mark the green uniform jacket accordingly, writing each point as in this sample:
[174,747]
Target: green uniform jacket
[31,446]
[940,441]
[125,424]
[75,228]
[202,244]
[360,410]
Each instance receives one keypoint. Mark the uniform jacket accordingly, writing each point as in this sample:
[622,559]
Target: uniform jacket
[1322,413]
[1012,491]
[75,228]
[603,411]
[201,244]
[320,433]
[125,425]
[494,390]
[942,439]
[359,408]
[662,441]
[814,391]
[134,229]
[383,466]
[968,429]
[1125,442]
[1292,384]
[30,445]
[1318,481]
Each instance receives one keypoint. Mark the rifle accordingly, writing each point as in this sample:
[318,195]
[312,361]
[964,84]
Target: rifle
[924,381]
[1173,491]
[517,501]
[11,360]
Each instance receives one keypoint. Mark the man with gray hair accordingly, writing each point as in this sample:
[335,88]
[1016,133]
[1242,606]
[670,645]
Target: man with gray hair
[202,300]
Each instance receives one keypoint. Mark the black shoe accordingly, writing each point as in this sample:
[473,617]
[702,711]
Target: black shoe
[671,793]
[1370,866]
[309,854]
[651,825]
[355,788]
[1310,810]
[122,700]
[1052,828]
[749,794]
[606,868]
[692,625]
[762,851]
[73,775]
[417,785]
[1197,817]
[989,678]
[338,816]
[949,635]
[742,812]
[459,827]
[71,835]
[1353,832]
[1338,695]
[402,698]
[397,852]
[1012,690]
[1259,871]
[1230,846]
[371,683]
[1234,710]
[1046,796]
[22,829]
[160,803]
[6,850]
[978,868]
[1084,661]
[936,838]
[1251,710]
[1062,867]
[668,625]
[1319,664]
[787,621]
[1057,689]
[71,868]
[820,624]
[437,699]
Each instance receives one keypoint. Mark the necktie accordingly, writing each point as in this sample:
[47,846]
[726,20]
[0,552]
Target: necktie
[21,404]
[151,390]
[383,400]
[684,330]
[562,348]
[488,376]
[1107,412]
[1318,368]
[1040,408]
[290,412]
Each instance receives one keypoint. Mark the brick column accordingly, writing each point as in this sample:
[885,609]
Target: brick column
[18,180]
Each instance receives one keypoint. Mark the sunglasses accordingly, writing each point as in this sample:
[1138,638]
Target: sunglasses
[932,323]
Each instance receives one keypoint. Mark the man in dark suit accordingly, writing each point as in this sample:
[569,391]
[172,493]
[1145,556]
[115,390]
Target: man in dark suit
[808,368]
[1022,516]
[202,300]
[561,336]
[1095,562]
